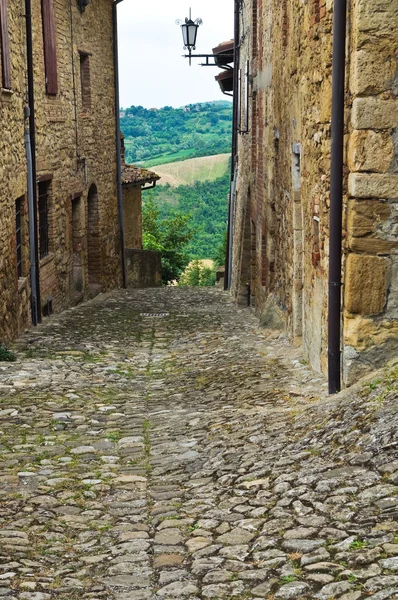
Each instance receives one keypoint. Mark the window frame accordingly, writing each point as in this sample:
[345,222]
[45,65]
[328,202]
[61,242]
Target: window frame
[43,208]
[5,47]
[19,234]
[85,79]
[49,47]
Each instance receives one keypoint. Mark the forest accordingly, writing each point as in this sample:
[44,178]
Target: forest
[207,204]
[158,136]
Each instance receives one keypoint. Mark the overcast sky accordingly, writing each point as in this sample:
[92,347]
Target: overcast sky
[152,71]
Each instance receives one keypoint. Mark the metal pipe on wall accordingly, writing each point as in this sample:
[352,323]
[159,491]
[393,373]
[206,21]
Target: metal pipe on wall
[31,213]
[336,195]
[228,258]
[34,240]
[118,143]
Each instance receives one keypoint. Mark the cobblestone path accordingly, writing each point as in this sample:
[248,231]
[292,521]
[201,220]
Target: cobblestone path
[156,445]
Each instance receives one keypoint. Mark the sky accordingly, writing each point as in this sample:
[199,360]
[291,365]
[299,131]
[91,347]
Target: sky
[152,71]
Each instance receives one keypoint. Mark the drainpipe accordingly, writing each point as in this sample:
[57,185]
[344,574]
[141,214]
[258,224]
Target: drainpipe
[336,195]
[31,165]
[31,213]
[228,258]
[118,144]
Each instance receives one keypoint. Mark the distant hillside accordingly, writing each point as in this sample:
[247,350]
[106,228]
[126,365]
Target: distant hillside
[166,135]
[186,172]
[207,202]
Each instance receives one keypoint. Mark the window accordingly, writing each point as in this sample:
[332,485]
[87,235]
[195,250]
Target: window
[43,205]
[246,100]
[239,108]
[18,223]
[85,80]
[4,47]
[285,23]
[317,11]
[243,107]
[50,52]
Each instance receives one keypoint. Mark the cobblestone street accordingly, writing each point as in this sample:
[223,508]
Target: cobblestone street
[157,444]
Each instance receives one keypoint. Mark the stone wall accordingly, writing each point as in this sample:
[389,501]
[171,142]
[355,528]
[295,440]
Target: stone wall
[281,220]
[371,275]
[12,184]
[144,268]
[76,157]
[132,212]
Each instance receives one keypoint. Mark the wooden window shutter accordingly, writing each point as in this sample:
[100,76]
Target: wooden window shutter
[5,47]
[50,51]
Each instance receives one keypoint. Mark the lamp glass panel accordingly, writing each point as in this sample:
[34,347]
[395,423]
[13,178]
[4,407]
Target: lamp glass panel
[192,33]
[185,34]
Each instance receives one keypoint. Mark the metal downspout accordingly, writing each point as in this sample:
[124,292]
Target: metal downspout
[228,258]
[118,143]
[336,195]
[31,213]
[32,194]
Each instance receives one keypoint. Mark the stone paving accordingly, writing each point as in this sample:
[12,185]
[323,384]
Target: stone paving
[158,444]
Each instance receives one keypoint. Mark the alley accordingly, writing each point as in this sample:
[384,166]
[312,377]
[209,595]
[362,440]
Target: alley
[157,444]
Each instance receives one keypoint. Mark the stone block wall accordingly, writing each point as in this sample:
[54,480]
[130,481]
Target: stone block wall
[371,274]
[144,268]
[76,156]
[14,307]
[132,212]
[281,221]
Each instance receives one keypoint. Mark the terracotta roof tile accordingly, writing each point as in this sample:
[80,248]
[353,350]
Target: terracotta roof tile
[134,175]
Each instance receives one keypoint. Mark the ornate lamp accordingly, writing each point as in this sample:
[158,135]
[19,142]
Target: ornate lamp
[189,33]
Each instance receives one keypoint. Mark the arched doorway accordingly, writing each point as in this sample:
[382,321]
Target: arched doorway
[93,237]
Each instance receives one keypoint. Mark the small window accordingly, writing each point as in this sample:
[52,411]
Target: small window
[50,51]
[285,24]
[239,108]
[85,80]
[43,205]
[246,105]
[4,47]
[317,11]
[18,224]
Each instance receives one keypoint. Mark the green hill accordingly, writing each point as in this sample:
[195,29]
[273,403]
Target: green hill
[166,135]
[206,202]
[187,172]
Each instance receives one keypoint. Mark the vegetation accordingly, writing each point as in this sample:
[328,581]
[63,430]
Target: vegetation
[6,355]
[165,135]
[199,274]
[169,235]
[185,219]
[207,204]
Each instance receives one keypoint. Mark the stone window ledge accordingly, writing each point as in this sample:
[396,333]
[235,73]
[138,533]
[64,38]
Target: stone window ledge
[6,94]
[22,284]
[47,259]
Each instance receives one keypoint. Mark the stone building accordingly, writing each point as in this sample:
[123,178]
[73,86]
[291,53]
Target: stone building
[75,151]
[280,255]
[143,267]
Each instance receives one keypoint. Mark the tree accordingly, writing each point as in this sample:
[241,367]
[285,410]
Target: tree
[170,236]
[220,255]
[198,274]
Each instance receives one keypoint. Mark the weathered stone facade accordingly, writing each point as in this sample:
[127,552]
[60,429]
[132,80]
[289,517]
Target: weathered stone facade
[281,216]
[76,159]
[143,267]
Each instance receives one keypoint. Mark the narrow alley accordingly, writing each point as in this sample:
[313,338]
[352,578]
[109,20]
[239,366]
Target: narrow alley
[157,444]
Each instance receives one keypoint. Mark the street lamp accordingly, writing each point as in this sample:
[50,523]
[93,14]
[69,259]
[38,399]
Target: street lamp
[189,33]
[222,55]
